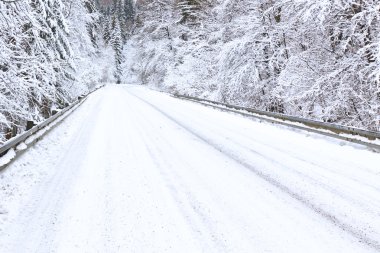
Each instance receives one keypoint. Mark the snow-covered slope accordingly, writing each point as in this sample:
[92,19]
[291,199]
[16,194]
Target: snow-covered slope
[314,59]
[50,53]
[134,170]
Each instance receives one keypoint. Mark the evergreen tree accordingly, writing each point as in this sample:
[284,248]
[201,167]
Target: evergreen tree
[106,29]
[56,51]
[129,11]
[116,22]
[91,25]
[117,45]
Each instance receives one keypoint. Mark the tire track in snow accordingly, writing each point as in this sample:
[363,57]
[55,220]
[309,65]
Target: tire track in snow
[353,231]
[281,157]
[44,214]
[199,222]
[288,152]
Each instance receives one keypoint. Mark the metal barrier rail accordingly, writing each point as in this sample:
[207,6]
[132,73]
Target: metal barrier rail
[328,129]
[17,140]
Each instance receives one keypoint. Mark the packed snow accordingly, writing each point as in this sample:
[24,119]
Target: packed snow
[135,170]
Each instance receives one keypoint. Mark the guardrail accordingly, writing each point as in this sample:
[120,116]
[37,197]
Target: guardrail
[340,132]
[21,138]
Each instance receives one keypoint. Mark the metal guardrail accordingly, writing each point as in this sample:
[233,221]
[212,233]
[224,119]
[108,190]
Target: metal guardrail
[332,130]
[17,140]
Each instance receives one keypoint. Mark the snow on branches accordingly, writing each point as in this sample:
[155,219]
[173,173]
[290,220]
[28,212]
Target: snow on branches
[315,59]
[38,58]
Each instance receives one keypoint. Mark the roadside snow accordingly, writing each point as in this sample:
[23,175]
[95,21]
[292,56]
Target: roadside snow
[35,166]
[7,157]
[21,146]
[133,170]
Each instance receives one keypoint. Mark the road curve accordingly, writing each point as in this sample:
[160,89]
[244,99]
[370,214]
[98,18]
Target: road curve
[134,170]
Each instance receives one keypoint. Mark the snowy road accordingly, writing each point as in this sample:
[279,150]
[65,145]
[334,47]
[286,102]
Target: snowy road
[133,170]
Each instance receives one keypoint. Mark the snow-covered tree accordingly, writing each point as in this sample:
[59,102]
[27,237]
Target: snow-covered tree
[39,43]
[315,59]
[117,45]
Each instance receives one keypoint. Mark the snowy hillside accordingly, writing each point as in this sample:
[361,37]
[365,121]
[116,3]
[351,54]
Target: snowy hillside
[50,53]
[314,59]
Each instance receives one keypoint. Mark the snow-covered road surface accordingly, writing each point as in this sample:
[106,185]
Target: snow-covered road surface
[133,170]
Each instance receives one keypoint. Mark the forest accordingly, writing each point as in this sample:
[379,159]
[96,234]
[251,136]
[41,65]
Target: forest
[313,59]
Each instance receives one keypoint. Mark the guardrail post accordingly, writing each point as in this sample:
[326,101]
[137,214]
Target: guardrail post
[11,132]
[14,130]
[8,134]
[29,125]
